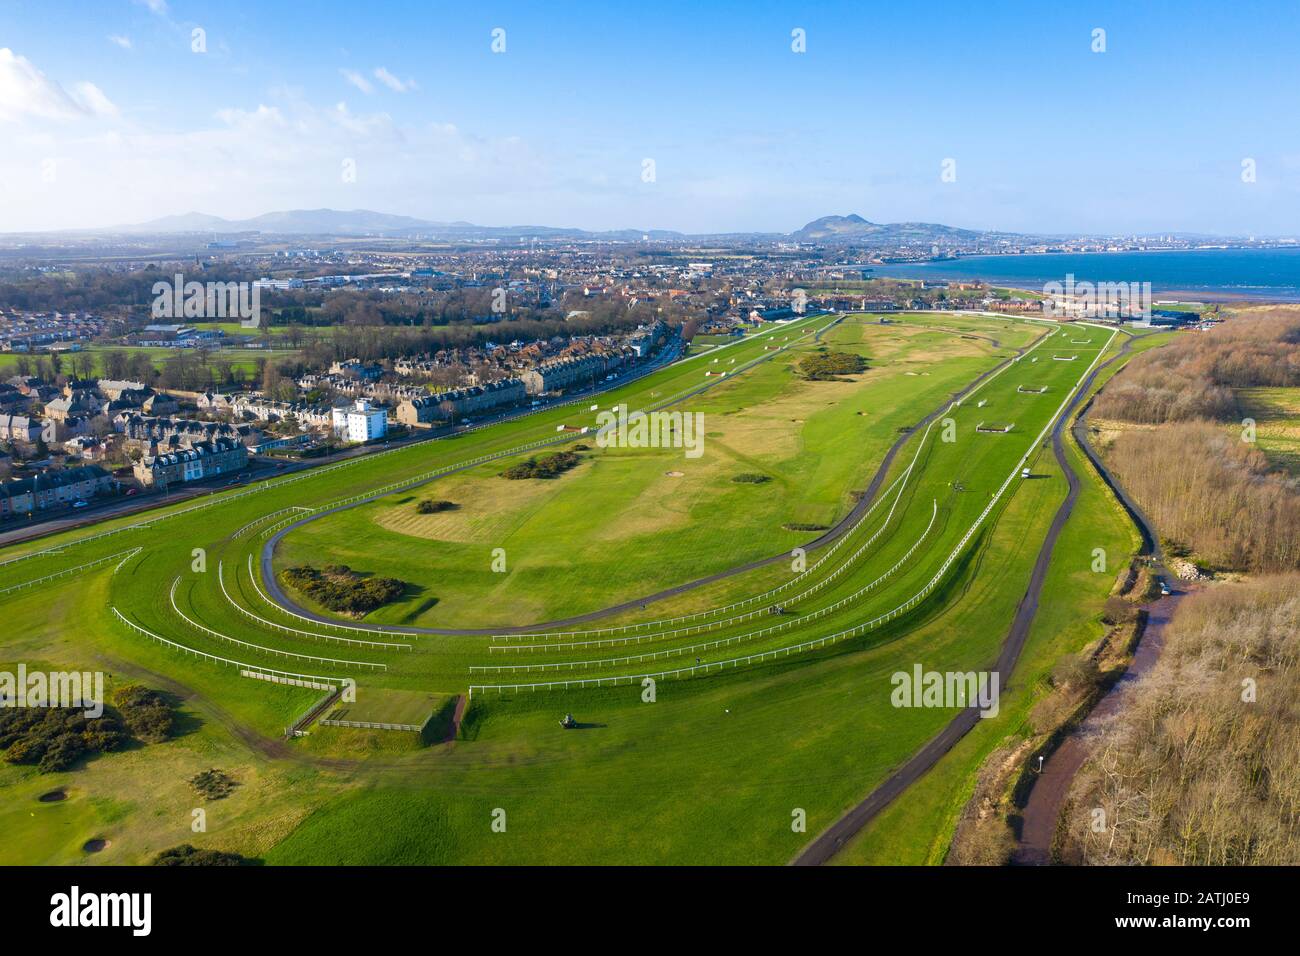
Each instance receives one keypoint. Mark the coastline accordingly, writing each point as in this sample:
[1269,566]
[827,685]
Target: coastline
[1188,274]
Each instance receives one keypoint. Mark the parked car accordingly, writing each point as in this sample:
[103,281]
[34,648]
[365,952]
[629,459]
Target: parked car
[79,504]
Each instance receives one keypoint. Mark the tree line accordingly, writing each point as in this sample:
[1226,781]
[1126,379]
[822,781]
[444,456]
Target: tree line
[1202,767]
[1212,493]
[1193,376]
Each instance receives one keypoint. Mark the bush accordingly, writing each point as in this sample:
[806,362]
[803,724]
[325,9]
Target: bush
[147,713]
[187,855]
[552,466]
[827,367]
[339,588]
[1078,671]
[213,784]
[430,507]
[54,738]
[1118,611]
[751,478]
[802,526]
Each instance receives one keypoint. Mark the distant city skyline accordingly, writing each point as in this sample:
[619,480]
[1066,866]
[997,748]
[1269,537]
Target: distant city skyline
[672,116]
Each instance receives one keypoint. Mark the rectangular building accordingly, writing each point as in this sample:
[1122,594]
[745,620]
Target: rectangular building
[360,421]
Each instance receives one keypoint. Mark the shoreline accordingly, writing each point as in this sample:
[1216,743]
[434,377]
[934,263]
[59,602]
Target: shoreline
[1033,275]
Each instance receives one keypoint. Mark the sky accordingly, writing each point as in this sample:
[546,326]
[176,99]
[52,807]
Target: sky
[698,117]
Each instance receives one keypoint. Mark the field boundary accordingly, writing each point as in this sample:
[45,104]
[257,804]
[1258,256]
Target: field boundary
[213,657]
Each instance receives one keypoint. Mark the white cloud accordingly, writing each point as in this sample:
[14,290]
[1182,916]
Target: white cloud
[92,99]
[375,124]
[123,41]
[26,92]
[155,6]
[357,80]
[264,117]
[392,82]
[282,153]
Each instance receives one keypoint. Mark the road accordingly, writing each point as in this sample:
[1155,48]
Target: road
[833,839]
[841,527]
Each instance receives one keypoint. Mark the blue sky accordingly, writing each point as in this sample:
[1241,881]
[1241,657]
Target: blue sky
[107,116]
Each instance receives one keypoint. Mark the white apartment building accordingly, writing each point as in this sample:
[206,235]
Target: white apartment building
[360,421]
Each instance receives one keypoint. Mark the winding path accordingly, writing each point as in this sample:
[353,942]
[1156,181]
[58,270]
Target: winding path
[833,839]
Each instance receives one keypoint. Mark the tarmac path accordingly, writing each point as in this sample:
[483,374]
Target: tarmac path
[833,839]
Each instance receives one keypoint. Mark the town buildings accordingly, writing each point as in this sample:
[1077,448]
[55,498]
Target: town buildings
[200,460]
[19,428]
[360,421]
[459,402]
[153,434]
[561,373]
[48,489]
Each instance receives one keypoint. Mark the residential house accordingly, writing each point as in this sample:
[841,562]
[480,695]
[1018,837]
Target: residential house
[202,459]
[19,428]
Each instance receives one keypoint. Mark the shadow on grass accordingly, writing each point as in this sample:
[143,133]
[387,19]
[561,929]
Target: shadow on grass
[437,729]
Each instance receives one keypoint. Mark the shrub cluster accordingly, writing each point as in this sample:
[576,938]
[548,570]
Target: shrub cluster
[430,507]
[146,712]
[1213,494]
[187,855]
[54,738]
[213,784]
[552,466]
[827,366]
[339,588]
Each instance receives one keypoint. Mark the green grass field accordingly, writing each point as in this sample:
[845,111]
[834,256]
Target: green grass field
[239,358]
[755,714]
[594,536]
[1276,412]
[388,706]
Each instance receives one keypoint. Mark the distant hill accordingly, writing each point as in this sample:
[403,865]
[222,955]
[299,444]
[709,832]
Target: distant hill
[332,221]
[188,222]
[292,221]
[366,222]
[853,228]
